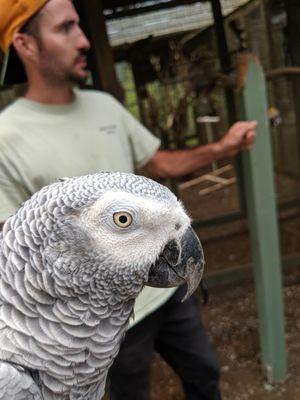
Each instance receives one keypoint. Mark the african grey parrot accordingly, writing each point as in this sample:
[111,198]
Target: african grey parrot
[72,260]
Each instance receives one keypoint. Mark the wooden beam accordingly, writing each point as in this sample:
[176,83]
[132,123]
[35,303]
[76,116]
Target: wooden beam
[243,272]
[115,12]
[293,43]
[124,3]
[120,3]
[283,72]
[202,178]
[100,57]
[224,58]
[226,67]
[262,217]
[139,88]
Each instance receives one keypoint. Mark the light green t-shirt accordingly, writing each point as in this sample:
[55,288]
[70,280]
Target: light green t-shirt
[40,143]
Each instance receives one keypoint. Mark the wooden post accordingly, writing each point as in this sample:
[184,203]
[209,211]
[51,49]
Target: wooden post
[224,57]
[262,216]
[293,42]
[140,91]
[225,64]
[101,56]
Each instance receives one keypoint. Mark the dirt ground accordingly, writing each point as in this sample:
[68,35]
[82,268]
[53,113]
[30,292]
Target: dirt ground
[231,320]
[230,316]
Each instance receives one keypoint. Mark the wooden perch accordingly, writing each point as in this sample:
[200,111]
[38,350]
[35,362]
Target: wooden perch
[214,176]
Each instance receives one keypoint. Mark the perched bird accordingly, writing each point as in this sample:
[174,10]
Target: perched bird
[72,260]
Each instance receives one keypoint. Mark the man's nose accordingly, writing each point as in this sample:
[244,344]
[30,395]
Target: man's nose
[83,42]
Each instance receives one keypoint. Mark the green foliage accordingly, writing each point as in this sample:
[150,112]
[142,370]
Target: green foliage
[125,77]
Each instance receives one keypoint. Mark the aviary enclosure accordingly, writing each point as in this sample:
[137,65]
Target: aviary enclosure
[182,84]
[180,88]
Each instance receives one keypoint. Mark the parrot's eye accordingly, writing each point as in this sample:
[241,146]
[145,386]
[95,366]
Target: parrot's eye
[122,219]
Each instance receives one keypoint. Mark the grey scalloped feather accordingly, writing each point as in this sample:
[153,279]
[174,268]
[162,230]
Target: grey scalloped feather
[68,280]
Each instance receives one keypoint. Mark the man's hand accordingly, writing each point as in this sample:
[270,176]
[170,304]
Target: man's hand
[175,163]
[240,136]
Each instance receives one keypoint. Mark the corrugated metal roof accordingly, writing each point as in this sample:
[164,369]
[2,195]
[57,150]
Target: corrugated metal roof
[165,22]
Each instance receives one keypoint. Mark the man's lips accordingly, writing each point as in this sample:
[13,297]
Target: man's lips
[81,60]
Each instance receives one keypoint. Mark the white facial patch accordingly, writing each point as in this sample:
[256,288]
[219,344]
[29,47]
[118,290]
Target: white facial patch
[154,224]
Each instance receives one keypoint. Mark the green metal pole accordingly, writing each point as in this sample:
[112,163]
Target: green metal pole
[262,216]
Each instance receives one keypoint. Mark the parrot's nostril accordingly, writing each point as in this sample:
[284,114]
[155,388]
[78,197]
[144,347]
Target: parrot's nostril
[177,227]
[172,252]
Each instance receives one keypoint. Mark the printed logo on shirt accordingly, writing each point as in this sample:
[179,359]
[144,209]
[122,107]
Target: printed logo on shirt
[108,129]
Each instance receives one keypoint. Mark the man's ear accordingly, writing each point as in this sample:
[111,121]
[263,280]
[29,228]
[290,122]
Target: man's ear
[25,45]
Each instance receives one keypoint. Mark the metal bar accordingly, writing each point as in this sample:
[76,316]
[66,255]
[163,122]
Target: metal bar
[261,207]
[4,68]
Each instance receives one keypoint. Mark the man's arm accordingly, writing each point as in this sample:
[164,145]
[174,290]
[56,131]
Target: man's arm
[172,164]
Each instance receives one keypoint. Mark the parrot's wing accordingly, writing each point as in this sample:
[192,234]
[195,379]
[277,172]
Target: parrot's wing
[17,384]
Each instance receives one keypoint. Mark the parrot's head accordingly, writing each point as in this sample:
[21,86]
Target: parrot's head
[113,232]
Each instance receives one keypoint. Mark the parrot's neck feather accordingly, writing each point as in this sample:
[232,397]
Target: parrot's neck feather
[71,341]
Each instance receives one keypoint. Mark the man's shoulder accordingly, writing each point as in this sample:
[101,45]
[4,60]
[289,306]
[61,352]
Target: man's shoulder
[9,110]
[8,122]
[100,104]
[95,94]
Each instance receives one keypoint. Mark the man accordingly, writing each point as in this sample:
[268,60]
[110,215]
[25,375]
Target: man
[56,131]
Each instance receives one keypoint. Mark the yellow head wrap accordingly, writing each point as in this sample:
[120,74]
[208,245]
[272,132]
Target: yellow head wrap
[13,15]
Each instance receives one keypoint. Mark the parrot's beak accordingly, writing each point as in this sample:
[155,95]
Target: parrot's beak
[179,263]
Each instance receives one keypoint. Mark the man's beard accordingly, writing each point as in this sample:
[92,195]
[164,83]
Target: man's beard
[58,75]
[77,79]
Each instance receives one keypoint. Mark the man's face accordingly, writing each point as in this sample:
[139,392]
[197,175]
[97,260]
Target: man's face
[62,44]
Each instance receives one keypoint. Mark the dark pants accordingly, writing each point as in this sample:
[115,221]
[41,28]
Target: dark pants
[176,332]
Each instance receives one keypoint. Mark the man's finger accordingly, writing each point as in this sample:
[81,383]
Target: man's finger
[250,136]
[248,140]
[251,124]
